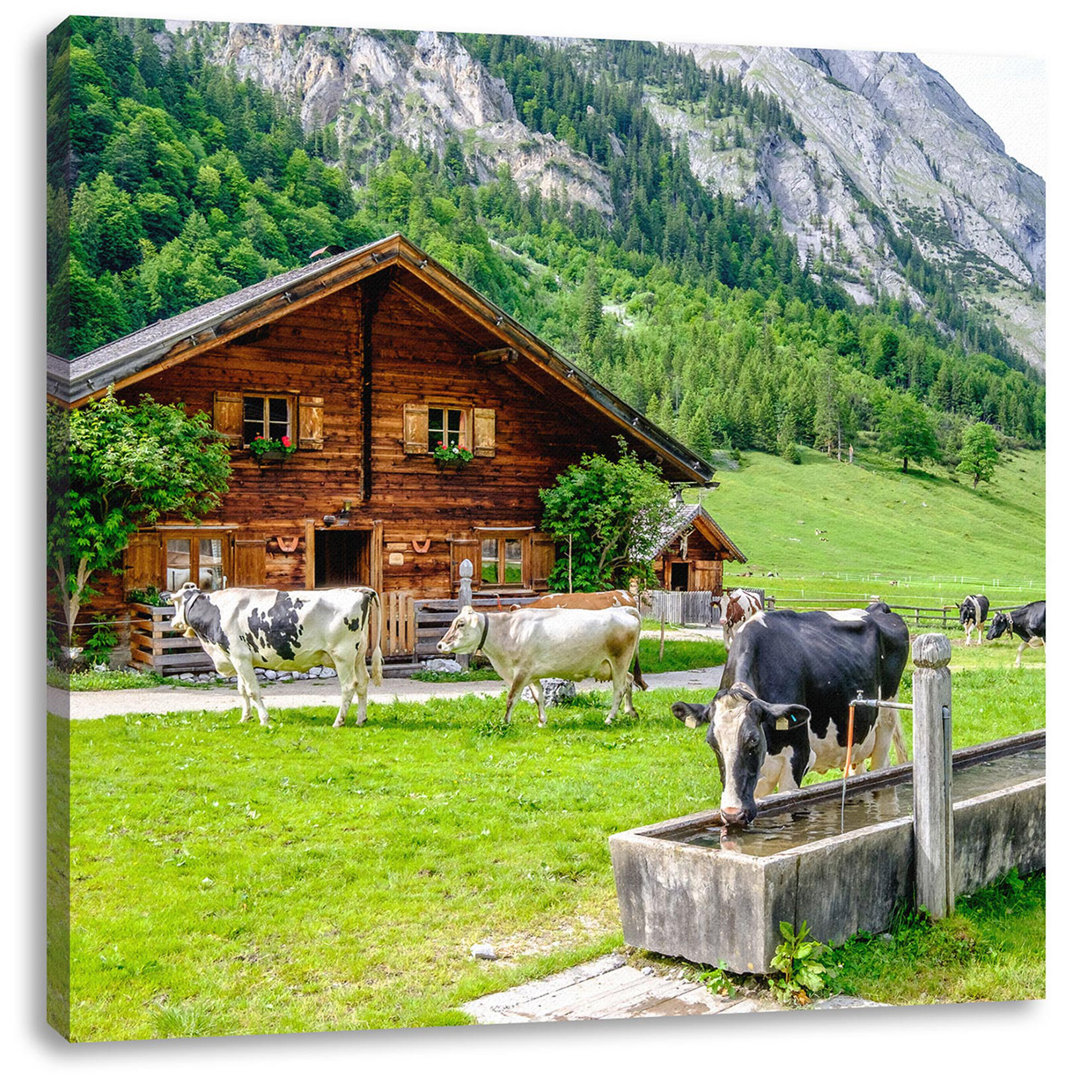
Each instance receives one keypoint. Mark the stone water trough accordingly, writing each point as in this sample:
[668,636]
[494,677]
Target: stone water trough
[687,890]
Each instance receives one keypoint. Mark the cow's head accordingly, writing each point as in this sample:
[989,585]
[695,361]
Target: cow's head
[739,723]
[1002,624]
[725,606]
[180,600]
[466,632]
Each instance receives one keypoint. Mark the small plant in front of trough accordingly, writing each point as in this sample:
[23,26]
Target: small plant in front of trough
[802,965]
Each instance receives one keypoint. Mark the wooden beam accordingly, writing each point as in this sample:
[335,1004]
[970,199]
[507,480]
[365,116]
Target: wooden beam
[502,356]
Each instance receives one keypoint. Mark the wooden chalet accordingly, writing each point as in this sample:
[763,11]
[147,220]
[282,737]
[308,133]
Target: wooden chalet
[367,359]
[690,553]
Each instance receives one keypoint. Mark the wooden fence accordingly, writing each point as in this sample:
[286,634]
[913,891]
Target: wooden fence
[399,626]
[433,618]
[680,608]
[156,646]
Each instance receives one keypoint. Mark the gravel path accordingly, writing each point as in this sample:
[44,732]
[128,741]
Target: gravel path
[92,704]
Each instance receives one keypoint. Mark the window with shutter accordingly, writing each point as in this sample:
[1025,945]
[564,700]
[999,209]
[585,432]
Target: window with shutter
[460,550]
[427,425]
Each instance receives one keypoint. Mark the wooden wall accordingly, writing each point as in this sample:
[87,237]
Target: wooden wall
[413,351]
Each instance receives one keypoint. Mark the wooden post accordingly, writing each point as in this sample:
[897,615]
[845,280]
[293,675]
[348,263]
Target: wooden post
[932,774]
[464,598]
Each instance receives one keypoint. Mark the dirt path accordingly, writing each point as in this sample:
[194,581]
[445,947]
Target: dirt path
[93,704]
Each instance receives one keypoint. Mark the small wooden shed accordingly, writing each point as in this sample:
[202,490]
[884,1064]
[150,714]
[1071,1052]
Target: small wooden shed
[692,550]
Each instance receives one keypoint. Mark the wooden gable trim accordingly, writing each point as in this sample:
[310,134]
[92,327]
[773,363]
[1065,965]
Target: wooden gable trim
[717,537]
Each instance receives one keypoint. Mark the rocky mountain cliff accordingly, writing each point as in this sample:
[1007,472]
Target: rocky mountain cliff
[888,150]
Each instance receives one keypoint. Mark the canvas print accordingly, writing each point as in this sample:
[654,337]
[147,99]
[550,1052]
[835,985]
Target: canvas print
[538,529]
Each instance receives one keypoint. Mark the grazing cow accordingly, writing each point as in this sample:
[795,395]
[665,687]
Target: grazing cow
[1027,622]
[782,706]
[526,646]
[736,607]
[242,629]
[973,612]
[594,601]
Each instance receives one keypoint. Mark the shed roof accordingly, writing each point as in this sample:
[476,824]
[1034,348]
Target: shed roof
[685,516]
[171,341]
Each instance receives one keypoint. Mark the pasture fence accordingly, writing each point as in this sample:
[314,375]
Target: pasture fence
[946,617]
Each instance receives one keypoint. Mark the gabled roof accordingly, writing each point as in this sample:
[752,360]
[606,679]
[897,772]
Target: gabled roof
[686,516]
[171,341]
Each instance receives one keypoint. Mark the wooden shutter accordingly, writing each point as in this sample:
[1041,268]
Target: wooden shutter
[541,560]
[229,416]
[464,549]
[309,423]
[416,417]
[142,562]
[484,432]
[248,561]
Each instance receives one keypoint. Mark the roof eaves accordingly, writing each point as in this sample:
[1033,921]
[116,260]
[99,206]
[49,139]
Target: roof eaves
[92,372]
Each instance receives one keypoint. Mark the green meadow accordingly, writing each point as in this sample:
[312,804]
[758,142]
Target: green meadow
[830,529]
[226,878]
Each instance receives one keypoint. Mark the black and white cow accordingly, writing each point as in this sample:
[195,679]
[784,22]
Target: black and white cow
[242,629]
[973,612]
[1028,623]
[782,706]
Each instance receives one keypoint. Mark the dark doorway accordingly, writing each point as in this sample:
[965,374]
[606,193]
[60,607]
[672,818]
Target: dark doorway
[680,577]
[342,557]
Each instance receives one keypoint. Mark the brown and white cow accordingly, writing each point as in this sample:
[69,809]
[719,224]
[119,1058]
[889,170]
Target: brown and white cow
[525,646]
[736,606]
[593,601]
[245,629]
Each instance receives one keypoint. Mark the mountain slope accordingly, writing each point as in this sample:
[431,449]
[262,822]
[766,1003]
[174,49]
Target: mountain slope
[890,161]
[885,134]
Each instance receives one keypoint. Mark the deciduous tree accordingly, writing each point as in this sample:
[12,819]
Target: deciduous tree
[978,453]
[112,468]
[907,432]
[606,516]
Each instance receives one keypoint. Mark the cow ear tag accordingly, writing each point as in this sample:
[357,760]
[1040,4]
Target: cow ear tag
[782,723]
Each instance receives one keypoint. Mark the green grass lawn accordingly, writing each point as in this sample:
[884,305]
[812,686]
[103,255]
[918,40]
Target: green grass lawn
[228,878]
